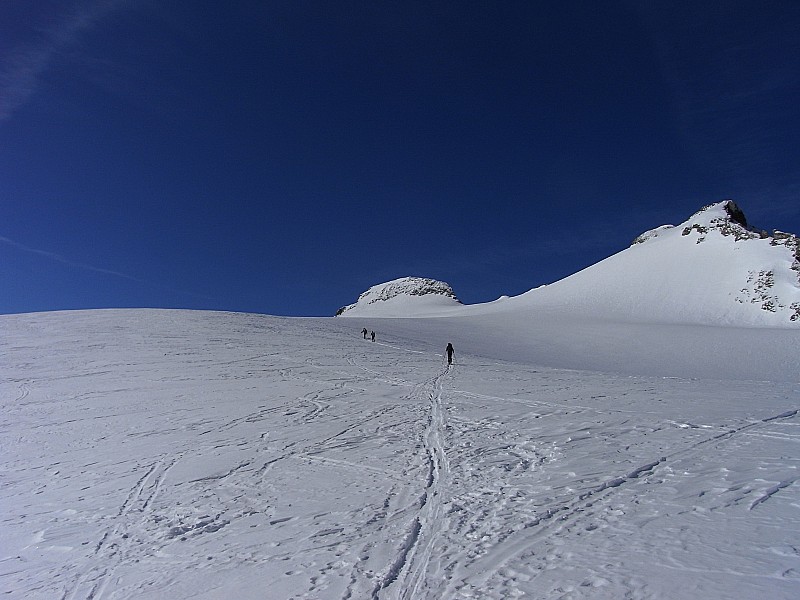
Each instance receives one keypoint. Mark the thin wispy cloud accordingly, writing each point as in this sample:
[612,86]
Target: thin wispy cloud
[87,267]
[66,261]
[22,69]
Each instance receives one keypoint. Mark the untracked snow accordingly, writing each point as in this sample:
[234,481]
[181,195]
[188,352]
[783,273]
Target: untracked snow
[195,455]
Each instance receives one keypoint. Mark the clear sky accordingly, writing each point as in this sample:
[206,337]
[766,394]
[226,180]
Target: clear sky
[282,157]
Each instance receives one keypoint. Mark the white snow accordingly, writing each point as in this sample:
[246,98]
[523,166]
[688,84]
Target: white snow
[176,454]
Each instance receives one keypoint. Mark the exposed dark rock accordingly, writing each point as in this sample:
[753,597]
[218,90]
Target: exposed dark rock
[735,213]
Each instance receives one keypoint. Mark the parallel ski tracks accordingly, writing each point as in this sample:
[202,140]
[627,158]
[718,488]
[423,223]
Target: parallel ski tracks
[405,578]
[431,513]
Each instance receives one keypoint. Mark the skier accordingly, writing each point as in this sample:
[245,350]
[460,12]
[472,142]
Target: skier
[364,331]
[449,351]
[373,336]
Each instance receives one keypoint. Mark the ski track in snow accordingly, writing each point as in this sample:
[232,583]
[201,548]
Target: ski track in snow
[197,456]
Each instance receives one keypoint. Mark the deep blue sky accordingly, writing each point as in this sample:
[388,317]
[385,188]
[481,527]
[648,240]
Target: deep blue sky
[282,157]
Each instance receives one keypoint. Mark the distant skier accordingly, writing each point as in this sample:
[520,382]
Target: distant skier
[364,331]
[449,351]
[373,336]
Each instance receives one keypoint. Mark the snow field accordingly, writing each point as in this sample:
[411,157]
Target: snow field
[152,454]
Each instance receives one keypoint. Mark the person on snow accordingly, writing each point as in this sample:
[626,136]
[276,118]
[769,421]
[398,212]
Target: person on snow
[449,351]
[373,336]
[364,331]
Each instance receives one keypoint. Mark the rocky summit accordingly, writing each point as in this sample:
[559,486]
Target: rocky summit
[400,291]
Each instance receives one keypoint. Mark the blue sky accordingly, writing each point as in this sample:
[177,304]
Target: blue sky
[282,157]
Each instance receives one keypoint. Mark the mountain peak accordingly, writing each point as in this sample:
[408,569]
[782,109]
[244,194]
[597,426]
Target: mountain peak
[724,217]
[402,296]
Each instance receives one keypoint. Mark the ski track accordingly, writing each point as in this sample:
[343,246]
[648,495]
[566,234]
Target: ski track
[114,546]
[406,576]
[431,518]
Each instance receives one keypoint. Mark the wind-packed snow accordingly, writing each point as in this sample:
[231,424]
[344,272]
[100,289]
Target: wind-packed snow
[173,454]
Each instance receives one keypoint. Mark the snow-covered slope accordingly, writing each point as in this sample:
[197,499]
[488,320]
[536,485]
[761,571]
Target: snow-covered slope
[712,269]
[193,455]
[405,297]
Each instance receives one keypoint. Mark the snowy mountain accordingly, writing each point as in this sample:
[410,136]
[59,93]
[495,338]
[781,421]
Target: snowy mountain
[408,296]
[713,269]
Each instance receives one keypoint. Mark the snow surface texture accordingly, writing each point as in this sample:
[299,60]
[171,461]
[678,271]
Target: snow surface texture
[711,270]
[172,454]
